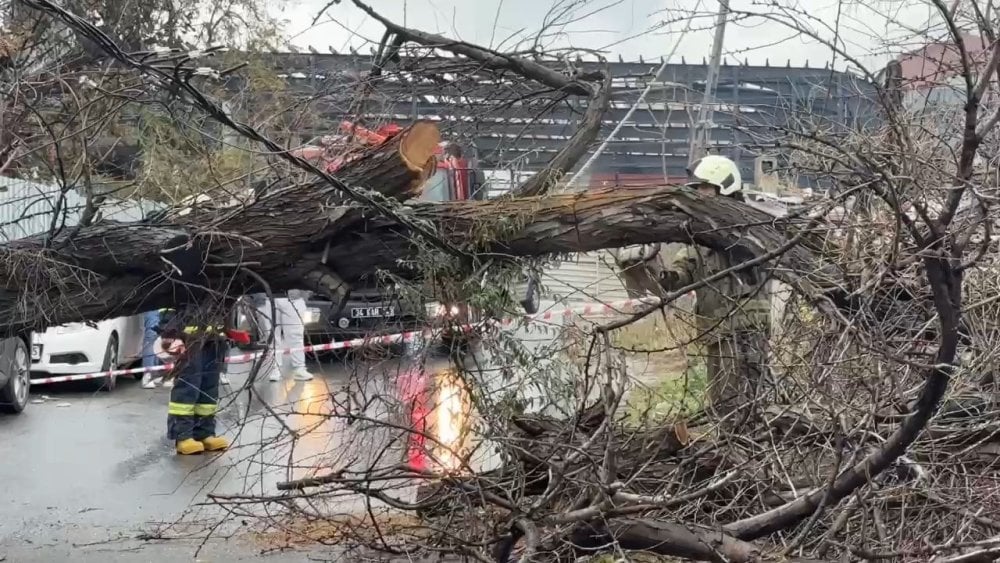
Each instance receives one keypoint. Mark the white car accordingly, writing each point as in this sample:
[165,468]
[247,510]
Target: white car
[77,348]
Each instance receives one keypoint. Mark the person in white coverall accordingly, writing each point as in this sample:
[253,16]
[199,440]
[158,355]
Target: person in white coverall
[289,332]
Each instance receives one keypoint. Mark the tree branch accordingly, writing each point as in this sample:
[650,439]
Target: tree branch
[576,147]
[492,59]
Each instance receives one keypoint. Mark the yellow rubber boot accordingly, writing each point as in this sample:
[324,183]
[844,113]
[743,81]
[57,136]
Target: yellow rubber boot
[190,446]
[215,443]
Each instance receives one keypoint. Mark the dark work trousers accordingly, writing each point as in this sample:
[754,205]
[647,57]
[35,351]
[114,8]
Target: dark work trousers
[739,386]
[195,396]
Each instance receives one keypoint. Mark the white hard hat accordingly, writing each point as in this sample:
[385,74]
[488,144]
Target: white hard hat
[718,171]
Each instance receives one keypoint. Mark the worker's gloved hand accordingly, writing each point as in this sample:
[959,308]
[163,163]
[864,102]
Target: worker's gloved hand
[169,349]
[636,254]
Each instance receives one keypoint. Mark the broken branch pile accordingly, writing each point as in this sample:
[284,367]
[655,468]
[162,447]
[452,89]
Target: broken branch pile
[693,493]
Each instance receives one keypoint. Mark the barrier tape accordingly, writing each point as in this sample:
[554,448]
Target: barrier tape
[588,310]
[97,375]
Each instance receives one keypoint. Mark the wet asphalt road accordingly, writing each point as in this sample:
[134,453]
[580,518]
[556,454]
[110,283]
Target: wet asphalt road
[88,474]
[91,477]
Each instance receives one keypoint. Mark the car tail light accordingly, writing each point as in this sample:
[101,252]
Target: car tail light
[447,310]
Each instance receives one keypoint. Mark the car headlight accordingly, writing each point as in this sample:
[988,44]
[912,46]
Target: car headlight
[311,316]
[447,310]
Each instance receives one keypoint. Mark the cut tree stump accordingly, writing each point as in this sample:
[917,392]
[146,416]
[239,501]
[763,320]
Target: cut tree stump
[113,269]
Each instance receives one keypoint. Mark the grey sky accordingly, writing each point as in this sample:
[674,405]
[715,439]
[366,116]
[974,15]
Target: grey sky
[630,28]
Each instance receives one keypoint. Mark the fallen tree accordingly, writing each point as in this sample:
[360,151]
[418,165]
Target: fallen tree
[285,235]
[109,269]
[584,490]
[295,236]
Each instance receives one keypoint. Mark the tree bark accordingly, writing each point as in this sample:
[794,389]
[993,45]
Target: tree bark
[664,538]
[284,235]
[112,269]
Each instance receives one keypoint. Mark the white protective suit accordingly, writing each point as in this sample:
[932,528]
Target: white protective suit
[289,331]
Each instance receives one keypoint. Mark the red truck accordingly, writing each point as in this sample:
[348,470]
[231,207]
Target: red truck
[373,310]
[456,178]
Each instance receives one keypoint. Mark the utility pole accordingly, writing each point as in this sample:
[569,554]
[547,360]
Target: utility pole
[702,130]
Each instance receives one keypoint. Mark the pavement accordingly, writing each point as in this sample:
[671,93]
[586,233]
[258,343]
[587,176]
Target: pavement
[90,476]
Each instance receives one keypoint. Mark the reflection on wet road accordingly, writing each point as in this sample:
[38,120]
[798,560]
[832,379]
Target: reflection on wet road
[83,469]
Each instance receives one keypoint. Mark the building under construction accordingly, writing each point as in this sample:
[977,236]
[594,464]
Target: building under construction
[508,127]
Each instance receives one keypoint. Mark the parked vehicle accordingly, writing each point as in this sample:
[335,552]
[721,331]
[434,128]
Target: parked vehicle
[81,348]
[15,378]
[29,209]
[366,312]
[369,310]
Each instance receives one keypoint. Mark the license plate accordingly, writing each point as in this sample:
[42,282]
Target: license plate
[372,312]
[36,352]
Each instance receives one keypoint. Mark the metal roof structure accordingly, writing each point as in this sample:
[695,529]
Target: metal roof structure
[753,105]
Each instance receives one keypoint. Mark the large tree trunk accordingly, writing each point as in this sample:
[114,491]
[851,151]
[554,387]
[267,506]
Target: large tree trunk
[108,270]
[112,269]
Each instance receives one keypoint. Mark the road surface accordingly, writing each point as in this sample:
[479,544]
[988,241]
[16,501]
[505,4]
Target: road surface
[91,476]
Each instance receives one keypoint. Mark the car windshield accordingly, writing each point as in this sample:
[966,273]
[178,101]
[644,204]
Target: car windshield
[437,187]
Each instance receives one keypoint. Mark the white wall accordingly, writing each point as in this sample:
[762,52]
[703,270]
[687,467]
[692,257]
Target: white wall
[27,208]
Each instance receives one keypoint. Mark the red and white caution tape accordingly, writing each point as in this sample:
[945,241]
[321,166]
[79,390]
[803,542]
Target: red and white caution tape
[250,356]
[355,343]
[588,310]
[97,375]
